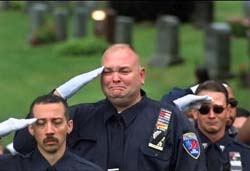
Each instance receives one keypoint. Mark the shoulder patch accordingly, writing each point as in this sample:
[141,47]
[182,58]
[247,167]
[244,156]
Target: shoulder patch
[191,144]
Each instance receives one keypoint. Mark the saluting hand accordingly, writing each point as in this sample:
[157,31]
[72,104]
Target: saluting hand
[191,101]
[13,124]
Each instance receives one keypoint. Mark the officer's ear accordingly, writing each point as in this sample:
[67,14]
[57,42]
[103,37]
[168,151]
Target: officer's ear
[31,129]
[195,114]
[69,126]
[142,75]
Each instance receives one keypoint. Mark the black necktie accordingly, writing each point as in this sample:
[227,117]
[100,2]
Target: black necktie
[116,148]
[51,168]
[213,154]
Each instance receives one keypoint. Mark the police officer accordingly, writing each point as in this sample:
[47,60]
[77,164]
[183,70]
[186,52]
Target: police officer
[223,152]
[186,100]
[128,130]
[50,131]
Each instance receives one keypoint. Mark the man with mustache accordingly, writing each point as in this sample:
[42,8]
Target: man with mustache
[50,132]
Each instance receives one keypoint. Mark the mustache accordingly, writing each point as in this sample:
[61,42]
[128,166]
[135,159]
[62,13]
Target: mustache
[50,138]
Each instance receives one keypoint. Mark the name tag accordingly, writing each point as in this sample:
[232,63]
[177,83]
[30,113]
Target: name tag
[113,169]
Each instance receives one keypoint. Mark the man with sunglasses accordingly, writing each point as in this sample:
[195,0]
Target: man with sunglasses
[187,101]
[223,152]
[232,102]
[234,122]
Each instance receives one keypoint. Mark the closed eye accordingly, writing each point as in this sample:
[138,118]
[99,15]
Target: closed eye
[40,122]
[57,121]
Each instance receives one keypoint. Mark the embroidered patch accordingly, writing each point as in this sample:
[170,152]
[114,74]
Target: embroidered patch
[191,144]
[157,140]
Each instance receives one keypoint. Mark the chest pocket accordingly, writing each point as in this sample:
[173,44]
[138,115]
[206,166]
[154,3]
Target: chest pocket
[151,159]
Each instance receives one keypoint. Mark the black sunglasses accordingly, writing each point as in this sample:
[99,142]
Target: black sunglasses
[233,102]
[205,109]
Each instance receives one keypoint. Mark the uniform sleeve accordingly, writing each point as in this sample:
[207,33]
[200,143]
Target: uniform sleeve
[189,154]
[23,142]
[80,114]
[174,94]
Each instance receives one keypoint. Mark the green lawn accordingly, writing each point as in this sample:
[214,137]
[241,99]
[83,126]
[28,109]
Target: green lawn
[27,72]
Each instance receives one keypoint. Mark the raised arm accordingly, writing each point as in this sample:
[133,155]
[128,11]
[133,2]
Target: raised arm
[23,141]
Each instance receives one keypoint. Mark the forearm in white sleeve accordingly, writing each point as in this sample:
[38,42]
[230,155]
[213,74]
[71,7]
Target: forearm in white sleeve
[69,88]
[13,124]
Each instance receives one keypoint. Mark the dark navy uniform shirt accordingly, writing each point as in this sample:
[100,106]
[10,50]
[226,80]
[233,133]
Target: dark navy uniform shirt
[36,162]
[97,137]
[226,154]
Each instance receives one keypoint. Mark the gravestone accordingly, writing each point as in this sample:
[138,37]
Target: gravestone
[5,5]
[80,22]
[110,25]
[79,3]
[124,29]
[203,13]
[244,72]
[90,6]
[29,4]
[61,23]
[217,50]
[167,43]
[59,4]
[37,16]
[246,9]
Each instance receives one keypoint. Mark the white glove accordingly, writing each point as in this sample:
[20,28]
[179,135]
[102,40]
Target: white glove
[13,124]
[70,87]
[11,148]
[193,88]
[191,101]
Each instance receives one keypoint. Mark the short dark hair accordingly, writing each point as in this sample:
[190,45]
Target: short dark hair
[46,99]
[212,85]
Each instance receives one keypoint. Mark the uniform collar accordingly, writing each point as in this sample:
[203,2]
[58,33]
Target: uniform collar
[221,143]
[127,115]
[40,163]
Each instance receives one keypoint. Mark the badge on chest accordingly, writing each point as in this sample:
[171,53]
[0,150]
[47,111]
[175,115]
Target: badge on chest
[235,161]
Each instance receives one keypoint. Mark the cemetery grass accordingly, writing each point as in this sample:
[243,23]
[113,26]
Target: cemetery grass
[27,72]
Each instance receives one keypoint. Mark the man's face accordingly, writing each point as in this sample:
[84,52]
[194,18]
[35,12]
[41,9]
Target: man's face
[212,117]
[51,128]
[122,77]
